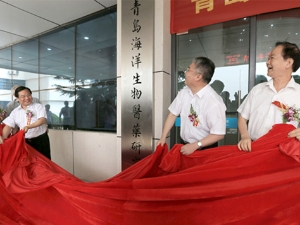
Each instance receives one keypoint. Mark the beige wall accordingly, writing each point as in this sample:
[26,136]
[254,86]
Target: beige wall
[90,156]
[96,156]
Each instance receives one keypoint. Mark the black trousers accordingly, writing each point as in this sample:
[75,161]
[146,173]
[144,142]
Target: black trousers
[206,147]
[41,144]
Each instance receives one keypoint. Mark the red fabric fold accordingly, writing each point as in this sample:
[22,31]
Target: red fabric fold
[217,186]
[291,148]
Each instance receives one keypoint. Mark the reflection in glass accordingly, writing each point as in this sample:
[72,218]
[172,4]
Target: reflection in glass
[25,63]
[271,28]
[5,58]
[56,100]
[57,68]
[57,58]
[96,74]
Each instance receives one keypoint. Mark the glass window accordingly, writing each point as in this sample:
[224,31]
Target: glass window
[25,63]
[56,102]
[71,70]
[57,74]
[6,74]
[57,59]
[5,58]
[95,103]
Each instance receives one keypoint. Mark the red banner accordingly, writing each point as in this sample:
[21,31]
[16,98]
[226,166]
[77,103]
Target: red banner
[189,14]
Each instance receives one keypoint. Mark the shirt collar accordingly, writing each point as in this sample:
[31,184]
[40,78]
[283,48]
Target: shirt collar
[28,107]
[290,84]
[201,92]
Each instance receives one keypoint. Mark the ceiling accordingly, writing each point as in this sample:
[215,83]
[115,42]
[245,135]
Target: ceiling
[21,20]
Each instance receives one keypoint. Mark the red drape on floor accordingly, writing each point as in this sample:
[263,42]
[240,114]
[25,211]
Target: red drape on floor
[217,186]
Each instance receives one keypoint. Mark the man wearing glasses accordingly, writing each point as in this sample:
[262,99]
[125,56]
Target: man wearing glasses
[201,110]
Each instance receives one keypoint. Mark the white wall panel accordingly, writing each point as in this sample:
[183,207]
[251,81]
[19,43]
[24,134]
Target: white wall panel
[90,156]
[95,155]
[61,145]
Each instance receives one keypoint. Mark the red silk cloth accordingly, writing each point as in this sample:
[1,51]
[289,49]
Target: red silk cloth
[217,186]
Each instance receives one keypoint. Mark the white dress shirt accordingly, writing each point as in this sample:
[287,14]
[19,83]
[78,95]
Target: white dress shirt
[18,118]
[15,103]
[209,107]
[259,110]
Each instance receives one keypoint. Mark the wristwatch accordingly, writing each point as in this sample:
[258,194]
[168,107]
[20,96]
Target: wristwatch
[199,144]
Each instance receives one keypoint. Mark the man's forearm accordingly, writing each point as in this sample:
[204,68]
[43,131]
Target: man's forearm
[6,131]
[243,129]
[38,123]
[211,139]
[168,125]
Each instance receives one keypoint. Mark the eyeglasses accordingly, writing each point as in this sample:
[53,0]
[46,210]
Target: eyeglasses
[189,70]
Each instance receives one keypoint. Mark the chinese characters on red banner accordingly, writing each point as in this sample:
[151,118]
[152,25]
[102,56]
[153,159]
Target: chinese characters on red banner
[209,4]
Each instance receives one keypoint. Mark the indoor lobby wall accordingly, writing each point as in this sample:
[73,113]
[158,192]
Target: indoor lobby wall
[96,156]
[90,156]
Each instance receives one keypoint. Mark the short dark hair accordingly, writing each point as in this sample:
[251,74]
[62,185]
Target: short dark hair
[290,50]
[21,88]
[205,66]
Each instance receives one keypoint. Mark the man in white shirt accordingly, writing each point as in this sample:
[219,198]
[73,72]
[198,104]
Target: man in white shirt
[201,110]
[257,113]
[32,119]
[15,103]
